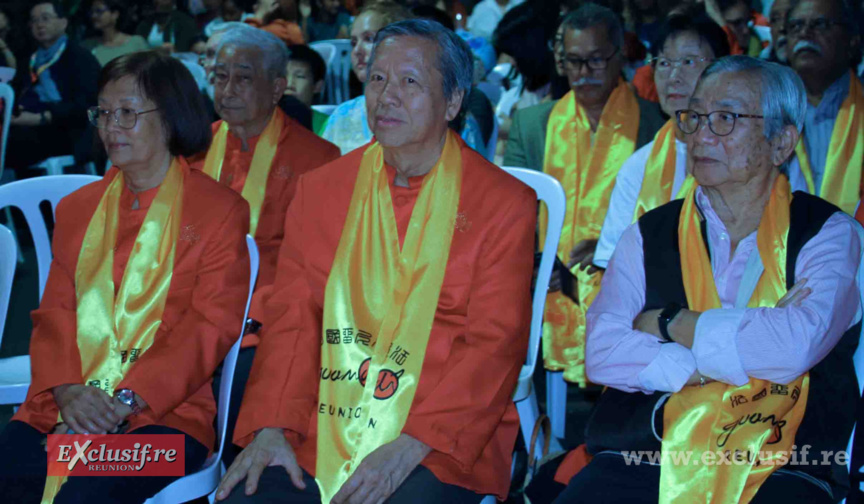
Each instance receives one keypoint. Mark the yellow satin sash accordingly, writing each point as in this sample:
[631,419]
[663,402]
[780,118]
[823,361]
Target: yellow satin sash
[108,327]
[587,174]
[660,173]
[379,305]
[757,417]
[841,182]
[256,180]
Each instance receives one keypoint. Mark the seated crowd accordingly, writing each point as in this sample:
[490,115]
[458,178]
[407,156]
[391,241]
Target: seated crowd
[706,277]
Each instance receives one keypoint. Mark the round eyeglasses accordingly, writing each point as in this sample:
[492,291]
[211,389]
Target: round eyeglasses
[720,122]
[124,117]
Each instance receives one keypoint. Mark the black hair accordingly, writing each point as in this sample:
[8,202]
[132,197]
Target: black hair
[305,54]
[168,84]
[700,25]
[58,7]
[434,14]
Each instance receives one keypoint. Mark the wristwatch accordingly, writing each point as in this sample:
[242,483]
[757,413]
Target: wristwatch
[252,326]
[665,318]
[127,397]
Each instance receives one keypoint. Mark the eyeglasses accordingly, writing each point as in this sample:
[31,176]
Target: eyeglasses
[126,118]
[42,20]
[596,63]
[98,12]
[665,65]
[818,25]
[720,122]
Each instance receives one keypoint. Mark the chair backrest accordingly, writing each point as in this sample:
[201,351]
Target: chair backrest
[7,94]
[493,140]
[27,195]
[198,73]
[8,261]
[550,192]
[338,68]
[325,109]
[231,359]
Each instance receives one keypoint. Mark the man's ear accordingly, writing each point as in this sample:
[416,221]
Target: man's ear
[454,104]
[783,145]
[319,86]
[279,85]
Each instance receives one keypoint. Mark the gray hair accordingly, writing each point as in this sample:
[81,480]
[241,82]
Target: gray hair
[455,61]
[228,25]
[849,13]
[784,100]
[274,52]
[590,15]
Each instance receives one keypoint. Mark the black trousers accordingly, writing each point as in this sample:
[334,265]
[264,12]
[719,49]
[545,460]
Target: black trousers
[609,480]
[24,464]
[241,376]
[421,487]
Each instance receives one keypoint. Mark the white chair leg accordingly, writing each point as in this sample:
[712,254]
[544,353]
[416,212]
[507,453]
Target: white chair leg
[556,402]
[528,415]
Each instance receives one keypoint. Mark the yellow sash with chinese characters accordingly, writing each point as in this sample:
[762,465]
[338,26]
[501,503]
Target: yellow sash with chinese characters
[739,422]
[660,173]
[256,181]
[841,182]
[587,174]
[379,305]
[108,325]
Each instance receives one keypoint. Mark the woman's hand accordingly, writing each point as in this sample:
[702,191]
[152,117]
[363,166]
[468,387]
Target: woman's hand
[86,410]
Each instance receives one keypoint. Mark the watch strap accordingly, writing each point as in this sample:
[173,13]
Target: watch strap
[666,316]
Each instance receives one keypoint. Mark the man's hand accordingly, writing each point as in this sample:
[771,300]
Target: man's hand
[86,410]
[583,254]
[795,296]
[268,449]
[382,472]
[26,119]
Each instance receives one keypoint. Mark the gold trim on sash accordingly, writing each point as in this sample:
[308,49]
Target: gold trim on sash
[588,175]
[379,305]
[841,182]
[742,423]
[255,186]
[659,176]
[108,327]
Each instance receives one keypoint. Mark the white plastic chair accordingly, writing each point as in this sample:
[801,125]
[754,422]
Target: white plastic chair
[27,195]
[14,371]
[493,140]
[57,164]
[325,109]
[7,94]
[197,71]
[7,74]
[550,192]
[205,481]
[338,59]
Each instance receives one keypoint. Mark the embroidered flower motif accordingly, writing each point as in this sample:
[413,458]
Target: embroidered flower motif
[462,222]
[283,172]
[189,234]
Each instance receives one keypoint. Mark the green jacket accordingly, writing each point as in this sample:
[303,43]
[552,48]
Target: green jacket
[527,143]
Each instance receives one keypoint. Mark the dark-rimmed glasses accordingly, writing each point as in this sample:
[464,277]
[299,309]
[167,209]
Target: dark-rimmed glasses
[596,63]
[124,117]
[720,122]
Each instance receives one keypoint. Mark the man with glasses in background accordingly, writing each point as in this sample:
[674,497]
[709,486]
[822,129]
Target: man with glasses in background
[728,319]
[50,116]
[824,48]
[582,140]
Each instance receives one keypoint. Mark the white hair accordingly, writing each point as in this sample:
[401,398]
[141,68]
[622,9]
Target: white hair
[274,52]
[784,99]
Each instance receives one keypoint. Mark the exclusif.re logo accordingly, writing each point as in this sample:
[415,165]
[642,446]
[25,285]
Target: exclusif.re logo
[113,455]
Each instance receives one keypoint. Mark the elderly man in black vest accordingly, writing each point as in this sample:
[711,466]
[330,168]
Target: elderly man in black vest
[726,322]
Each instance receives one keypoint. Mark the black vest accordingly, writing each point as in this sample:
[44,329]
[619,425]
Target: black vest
[623,421]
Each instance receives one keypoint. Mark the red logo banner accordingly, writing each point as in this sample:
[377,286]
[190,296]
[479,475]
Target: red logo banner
[116,455]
